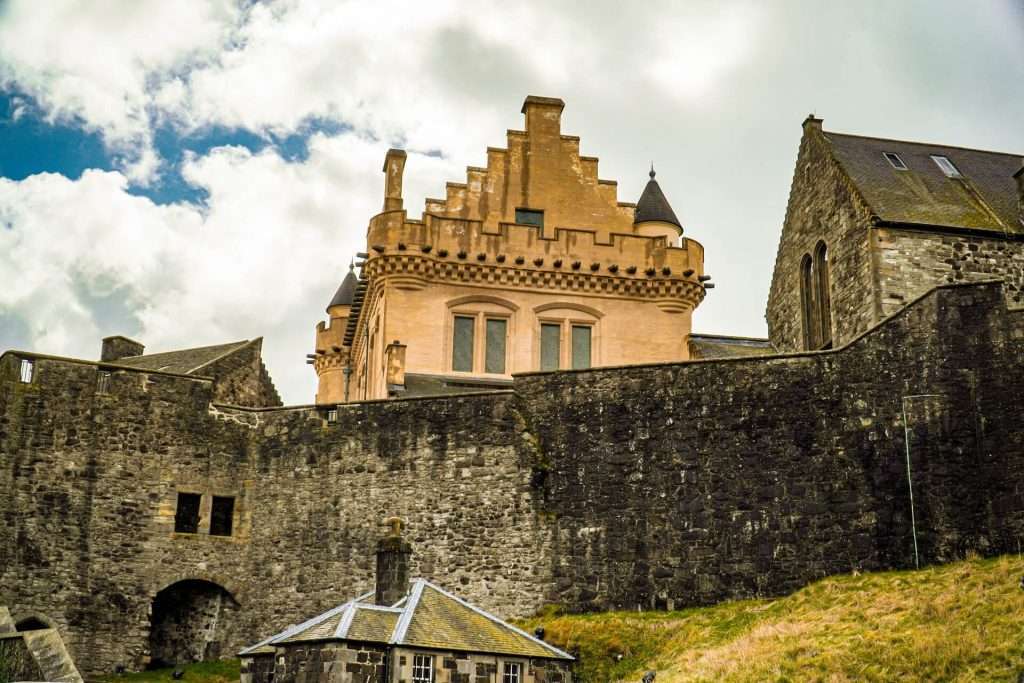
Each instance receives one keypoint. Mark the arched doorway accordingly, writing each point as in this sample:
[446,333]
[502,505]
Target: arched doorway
[31,624]
[191,621]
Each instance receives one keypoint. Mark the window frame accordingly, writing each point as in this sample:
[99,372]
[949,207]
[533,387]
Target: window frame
[523,211]
[230,517]
[481,311]
[889,156]
[419,667]
[177,511]
[565,341]
[512,672]
[27,371]
[473,319]
[952,171]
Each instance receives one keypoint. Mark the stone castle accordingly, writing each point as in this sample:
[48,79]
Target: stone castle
[515,376]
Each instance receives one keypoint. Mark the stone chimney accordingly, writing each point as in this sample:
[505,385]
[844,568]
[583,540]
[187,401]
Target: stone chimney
[393,554]
[118,347]
[394,167]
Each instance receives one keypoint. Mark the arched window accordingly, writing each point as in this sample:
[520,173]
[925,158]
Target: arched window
[807,304]
[824,296]
[816,299]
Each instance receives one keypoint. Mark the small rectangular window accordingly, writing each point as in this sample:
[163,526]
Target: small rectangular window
[581,346]
[462,344]
[28,368]
[494,357]
[423,669]
[222,515]
[186,518]
[332,415]
[513,673]
[895,161]
[103,382]
[530,217]
[947,166]
[550,346]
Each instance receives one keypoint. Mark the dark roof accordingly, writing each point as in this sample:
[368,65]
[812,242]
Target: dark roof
[706,346]
[185,361]
[984,199]
[437,385]
[428,617]
[653,206]
[346,291]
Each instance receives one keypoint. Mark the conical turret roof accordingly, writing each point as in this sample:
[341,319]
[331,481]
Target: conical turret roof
[653,206]
[345,293]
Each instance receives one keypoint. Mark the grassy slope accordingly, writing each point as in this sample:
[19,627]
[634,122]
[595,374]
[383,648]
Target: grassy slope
[963,622]
[225,671]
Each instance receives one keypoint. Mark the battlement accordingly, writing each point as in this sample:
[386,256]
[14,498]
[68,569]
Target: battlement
[577,252]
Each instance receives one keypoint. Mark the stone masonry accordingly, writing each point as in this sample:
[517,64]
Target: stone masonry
[655,486]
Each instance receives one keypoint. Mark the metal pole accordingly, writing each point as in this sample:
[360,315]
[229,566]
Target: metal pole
[910,484]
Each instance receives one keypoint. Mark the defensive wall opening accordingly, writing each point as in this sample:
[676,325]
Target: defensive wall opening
[33,623]
[191,621]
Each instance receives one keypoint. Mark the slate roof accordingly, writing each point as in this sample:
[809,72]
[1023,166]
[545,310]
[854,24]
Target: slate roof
[654,206]
[429,617]
[184,361]
[346,291]
[706,346]
[984,199]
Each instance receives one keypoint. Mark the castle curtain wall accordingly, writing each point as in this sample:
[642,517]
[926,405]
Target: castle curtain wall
[654,486]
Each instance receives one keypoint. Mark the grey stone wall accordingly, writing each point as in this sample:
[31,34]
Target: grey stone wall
[912,262]
[242,378]
[654,486]
[823,205]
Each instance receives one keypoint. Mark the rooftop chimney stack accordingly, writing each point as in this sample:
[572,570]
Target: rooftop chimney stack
[118,347]
[393,554]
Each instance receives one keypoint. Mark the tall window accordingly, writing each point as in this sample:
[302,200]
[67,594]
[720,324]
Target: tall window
[550,346]
[816,299]
[480,342]
[462,344]
[423,669]
[222,515]
[186,517]
[580,346]
[513,673]
[494,352]
[822,287]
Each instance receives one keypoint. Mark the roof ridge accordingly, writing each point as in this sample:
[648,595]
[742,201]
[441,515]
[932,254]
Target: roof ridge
[923,144]
[235,347]
[402,625]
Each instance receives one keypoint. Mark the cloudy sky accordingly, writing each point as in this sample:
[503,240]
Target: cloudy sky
[194,172]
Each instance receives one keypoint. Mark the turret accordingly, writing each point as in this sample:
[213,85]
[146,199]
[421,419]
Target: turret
[330,359]
[654,215]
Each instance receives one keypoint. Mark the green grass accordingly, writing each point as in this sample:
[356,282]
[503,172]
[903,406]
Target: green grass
[956,622]
[222,671]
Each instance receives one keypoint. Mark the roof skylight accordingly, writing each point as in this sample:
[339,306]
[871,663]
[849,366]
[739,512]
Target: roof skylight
[895,161]
[947,166]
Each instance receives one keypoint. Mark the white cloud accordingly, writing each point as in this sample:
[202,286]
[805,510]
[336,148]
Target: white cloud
[262,259]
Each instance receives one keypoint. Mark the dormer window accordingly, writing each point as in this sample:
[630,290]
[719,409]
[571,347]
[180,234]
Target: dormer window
[947,166]
[895,161]
[530,217]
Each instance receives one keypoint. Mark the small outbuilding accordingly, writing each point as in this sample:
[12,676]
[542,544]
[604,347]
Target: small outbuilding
[404,632]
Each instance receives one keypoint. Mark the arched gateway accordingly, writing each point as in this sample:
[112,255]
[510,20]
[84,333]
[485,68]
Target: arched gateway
[191,621]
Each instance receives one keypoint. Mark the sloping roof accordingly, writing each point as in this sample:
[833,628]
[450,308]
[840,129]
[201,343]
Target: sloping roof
[706,346]
[184,361]
[428,617]
[346,291]
[654,206]
[984,199]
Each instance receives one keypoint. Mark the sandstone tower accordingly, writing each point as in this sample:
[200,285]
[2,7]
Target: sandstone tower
[531,264]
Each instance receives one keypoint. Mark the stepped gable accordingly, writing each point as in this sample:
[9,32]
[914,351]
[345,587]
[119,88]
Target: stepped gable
[985,197]
[654,206]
